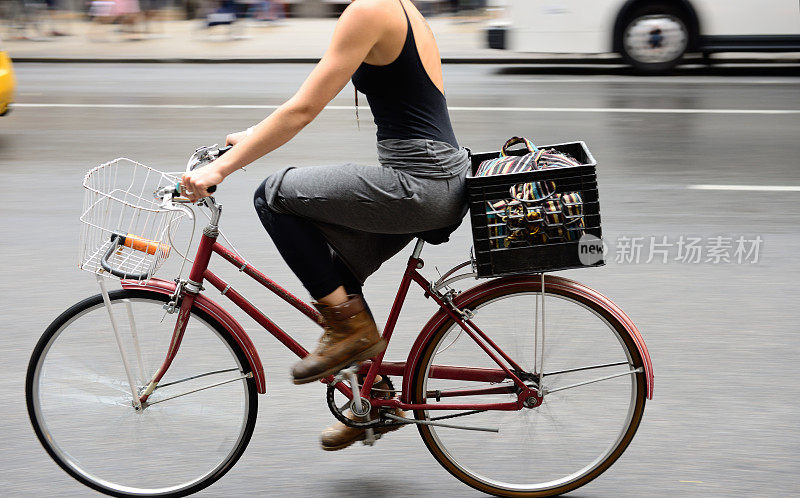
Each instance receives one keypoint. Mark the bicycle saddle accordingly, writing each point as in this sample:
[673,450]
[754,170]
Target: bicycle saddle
[439,235]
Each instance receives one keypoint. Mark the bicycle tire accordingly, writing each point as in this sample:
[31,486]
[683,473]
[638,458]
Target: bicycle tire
[497,291]
[98,483]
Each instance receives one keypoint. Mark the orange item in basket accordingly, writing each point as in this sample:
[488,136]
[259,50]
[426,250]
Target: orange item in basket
[145,245]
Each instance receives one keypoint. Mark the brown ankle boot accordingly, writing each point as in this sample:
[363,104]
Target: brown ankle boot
[350,336]
[340,436]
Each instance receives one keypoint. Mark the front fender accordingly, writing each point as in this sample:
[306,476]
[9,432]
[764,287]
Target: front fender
[570,286]
[223,317]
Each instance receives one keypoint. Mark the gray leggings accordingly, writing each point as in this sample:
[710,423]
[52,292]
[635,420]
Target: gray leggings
[368,213]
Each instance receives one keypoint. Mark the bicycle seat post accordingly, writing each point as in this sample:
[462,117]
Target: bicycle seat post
[418,248]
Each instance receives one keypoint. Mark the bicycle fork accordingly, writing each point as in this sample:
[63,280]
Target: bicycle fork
[185,292]
[177,335]
[140,397]
[137,401]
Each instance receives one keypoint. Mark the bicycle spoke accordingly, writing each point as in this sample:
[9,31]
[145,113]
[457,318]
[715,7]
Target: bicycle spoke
[79,377]
[87,397]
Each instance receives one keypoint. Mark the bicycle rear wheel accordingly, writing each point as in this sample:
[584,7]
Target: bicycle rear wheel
[592,377]
[81,406]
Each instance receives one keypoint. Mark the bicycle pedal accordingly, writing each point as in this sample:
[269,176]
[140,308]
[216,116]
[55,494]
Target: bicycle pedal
[342,374]
[371,437]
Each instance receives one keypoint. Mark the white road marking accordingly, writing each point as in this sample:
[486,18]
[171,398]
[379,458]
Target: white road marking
[748,188]
[119,106]
[666,81]
[620,110]
[624,110]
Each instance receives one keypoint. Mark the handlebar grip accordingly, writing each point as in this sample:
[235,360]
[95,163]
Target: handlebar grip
[176,192]
[213,188]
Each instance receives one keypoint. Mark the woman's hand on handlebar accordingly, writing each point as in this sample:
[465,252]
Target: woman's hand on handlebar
[195,184]
[235,138]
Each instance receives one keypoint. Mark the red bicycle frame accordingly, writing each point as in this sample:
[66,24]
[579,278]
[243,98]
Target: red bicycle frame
[507,368]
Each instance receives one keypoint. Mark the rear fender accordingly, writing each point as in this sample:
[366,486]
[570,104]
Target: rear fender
[223,317]
[570,286]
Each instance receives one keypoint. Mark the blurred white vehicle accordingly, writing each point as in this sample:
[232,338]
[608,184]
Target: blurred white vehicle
[651,35]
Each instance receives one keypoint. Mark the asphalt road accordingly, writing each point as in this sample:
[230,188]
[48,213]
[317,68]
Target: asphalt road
[723,335]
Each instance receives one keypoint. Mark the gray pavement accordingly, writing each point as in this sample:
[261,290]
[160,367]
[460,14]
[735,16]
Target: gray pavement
[723,337]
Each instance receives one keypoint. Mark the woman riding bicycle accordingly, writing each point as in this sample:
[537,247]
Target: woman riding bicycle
[335,225]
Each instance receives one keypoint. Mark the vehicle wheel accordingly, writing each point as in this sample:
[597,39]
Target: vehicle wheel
[588,415]
[654,37]
[81,407]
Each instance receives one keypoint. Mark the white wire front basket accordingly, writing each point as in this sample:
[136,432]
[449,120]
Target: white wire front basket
[127,233]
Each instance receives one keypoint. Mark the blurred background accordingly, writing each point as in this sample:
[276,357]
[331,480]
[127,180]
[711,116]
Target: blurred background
[39,20]
[690,107]
[649,35]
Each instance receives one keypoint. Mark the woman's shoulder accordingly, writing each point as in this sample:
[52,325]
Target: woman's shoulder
[364,18]
[372,9]
[377,16]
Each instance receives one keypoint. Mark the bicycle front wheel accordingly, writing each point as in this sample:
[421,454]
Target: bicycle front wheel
[584,362]
[195,425]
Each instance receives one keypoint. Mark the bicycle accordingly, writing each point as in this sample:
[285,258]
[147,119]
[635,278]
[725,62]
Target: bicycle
[152,389]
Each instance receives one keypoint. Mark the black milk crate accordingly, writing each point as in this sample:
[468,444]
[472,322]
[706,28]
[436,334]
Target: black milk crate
[532,257]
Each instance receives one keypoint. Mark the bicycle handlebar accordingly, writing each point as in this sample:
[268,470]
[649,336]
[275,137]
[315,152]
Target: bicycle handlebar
[176,192]
[220,151]
[200,158]
[207,156]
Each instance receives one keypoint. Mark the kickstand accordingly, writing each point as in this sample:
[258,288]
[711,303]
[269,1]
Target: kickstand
[359,408]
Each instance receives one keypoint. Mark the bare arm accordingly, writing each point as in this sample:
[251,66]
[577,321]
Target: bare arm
[358,29]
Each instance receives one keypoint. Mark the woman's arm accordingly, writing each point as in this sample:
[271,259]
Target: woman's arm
[360,26]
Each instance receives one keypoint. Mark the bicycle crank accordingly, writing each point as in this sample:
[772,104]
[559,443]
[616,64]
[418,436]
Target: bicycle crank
[339,411]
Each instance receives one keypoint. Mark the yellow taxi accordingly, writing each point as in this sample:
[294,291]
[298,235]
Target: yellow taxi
[7,83]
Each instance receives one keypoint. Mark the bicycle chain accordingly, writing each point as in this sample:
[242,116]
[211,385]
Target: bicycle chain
[372,424]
